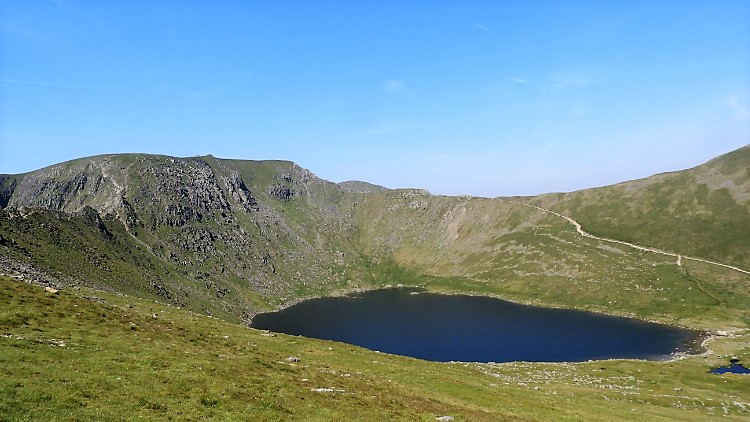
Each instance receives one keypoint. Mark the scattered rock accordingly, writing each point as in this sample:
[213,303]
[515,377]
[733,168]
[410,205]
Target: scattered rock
[331,390]
[444,418]
[292,359]
[50,290]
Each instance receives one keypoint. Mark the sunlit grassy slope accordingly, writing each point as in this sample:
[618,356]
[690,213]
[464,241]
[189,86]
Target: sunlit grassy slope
[87,355]
[501,247]
[704,211]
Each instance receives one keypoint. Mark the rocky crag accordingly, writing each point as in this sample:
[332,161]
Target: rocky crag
[196,230]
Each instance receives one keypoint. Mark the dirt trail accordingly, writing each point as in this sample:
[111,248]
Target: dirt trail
[634,246]
[121,190]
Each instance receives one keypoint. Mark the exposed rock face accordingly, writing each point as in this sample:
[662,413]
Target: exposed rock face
[281,192]
[7,187]
[177,216]
[57,189]
[198,218]
[94,220]
[185,190]
[239,192]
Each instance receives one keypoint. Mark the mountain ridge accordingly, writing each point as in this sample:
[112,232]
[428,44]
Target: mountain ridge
[234,237]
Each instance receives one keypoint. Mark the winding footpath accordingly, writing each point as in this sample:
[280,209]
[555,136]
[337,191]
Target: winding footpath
[121,195]
[632,245]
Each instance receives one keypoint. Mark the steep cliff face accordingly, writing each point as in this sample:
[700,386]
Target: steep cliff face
[234,229]
[67,187]
[7,187]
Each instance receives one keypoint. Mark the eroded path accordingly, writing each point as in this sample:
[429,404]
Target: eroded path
[679,257]
[121,191]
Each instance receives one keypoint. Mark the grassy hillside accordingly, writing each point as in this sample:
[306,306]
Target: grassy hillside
[500,247]
[87,355]
[704,211]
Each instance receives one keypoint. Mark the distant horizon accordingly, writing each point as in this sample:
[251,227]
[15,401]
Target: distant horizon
[371,182]
[484,99]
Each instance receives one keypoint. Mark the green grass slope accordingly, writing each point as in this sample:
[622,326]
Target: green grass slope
[87,355]
[703,211]
[502,248]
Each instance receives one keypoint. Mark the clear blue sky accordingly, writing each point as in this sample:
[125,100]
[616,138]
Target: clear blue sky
[484,98]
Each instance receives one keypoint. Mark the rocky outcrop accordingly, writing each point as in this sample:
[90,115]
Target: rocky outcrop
[67,188]
[176,215]
[240,193]
[182,223]
[7,186]
[92,218]
[281,192]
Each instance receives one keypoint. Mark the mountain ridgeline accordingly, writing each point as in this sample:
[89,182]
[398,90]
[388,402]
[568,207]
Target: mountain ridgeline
[232,238]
